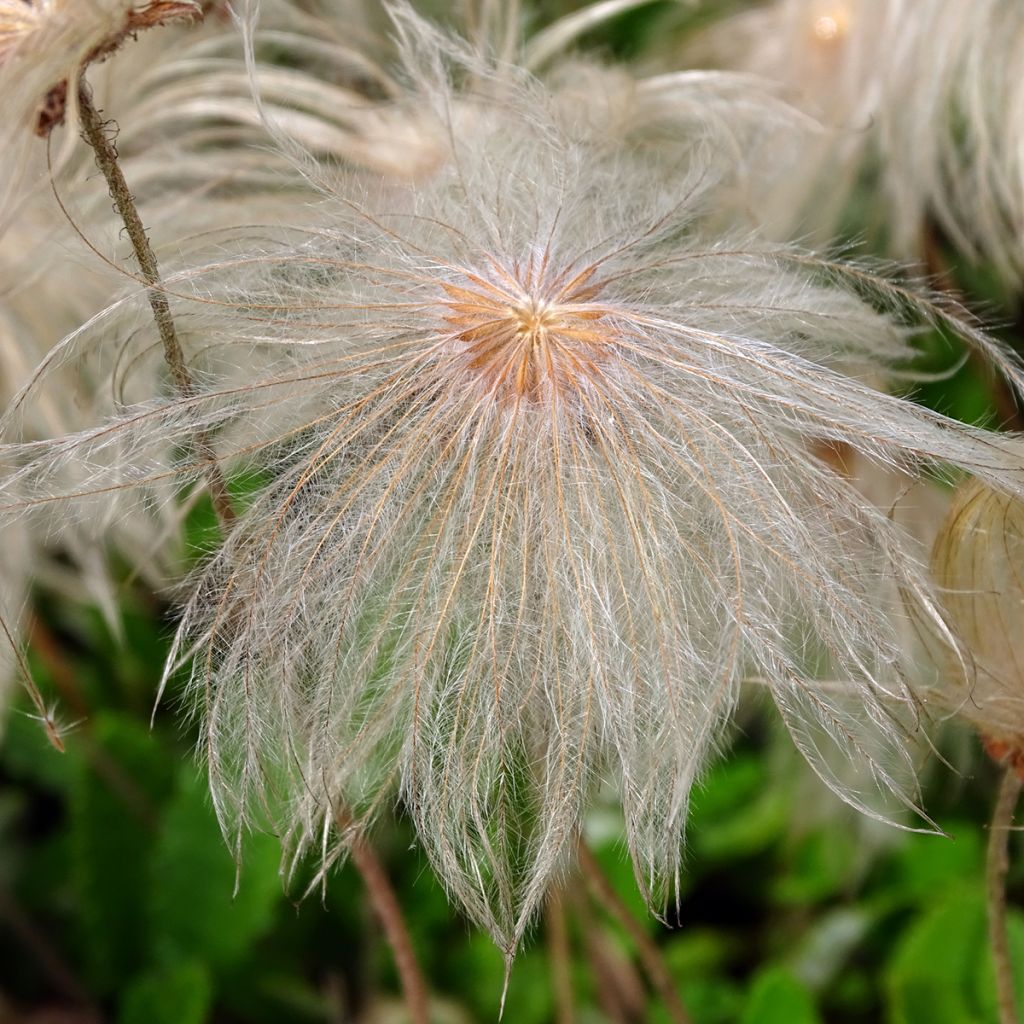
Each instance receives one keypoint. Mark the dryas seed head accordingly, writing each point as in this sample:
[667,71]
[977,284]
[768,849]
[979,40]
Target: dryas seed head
[526,332]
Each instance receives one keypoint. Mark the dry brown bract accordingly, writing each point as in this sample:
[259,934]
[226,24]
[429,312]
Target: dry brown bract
[21,19]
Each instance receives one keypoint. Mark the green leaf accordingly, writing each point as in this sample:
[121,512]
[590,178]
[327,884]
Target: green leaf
[192,910]
[928,864]
[736,812]
[176,995]
[821,866]
[480,967]
[697,952]
[201,529]
[118,786]
[930,979]
[776,997]
[707,1000]
[965,394]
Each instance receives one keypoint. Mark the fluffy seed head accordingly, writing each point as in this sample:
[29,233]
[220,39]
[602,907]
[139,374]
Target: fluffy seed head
[922,106]
[537,491]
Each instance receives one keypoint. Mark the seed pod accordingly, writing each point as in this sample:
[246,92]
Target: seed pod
[978,560]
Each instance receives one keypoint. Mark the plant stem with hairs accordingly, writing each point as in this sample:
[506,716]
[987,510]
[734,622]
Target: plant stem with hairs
[997,865]
[95,131]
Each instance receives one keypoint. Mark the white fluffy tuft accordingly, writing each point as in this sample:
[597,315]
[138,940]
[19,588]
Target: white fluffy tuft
[537,486]
[923,104]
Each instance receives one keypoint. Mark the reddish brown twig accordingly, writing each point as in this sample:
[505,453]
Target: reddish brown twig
[389,913]
[997,864]
[650,956]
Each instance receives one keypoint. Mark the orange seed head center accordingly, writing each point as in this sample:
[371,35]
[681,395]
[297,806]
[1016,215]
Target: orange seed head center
[525,333]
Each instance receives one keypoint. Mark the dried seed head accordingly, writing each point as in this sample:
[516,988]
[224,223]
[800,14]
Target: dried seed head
[526,332]
[538,493]
[978,560]
[60,34]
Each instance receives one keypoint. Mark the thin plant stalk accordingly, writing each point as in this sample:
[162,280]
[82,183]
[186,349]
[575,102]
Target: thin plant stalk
[389,913]
[607,985]
[37,941]
[96,132]
[997,865]
[650,956]
[622,983]
[561,962]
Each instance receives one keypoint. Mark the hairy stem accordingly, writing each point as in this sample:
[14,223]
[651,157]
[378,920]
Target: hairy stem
[385,905]
[650,956]
[96,133]
[997,864]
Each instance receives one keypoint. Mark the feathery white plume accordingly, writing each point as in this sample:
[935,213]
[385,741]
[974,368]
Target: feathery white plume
[539,491]
[923,104]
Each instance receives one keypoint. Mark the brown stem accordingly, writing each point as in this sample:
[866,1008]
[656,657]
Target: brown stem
[96,133]
[48,648]
[36,940]
[620,991]
[602,969]
[561,961]
[650,956]
[385,905]
[996,866]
